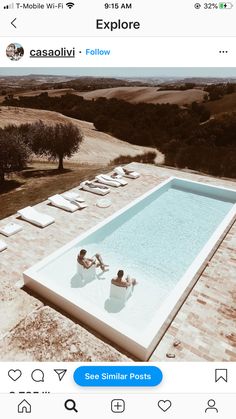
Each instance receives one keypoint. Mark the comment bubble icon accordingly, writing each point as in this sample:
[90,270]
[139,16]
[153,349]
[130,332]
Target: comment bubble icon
[37,376]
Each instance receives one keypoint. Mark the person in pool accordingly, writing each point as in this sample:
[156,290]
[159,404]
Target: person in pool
[120,281]
[87,263]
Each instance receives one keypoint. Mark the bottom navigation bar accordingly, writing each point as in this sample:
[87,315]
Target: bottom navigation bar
[104,406]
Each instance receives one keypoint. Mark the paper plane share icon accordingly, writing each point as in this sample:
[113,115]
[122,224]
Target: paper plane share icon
[60,373]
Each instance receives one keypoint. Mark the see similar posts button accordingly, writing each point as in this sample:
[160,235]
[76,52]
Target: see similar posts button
[118,376]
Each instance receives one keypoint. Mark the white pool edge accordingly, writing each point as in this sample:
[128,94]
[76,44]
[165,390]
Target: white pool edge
[141,346]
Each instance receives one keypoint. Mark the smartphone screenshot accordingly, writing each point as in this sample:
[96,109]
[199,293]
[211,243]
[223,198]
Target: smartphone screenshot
[117,209]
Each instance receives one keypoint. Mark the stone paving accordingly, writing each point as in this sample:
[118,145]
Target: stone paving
[204,329]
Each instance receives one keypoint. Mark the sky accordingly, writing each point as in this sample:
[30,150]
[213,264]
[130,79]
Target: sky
[123,72]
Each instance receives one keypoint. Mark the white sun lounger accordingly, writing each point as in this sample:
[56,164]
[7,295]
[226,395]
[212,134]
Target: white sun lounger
[75,199]
[107,180]
[10,229]
[118,178]
[73,196]
[62,203]
[3,245]
[35,217]
[94,187]
[126,172]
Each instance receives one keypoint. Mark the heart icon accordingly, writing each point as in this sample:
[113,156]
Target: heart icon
[14,374]
[164,405]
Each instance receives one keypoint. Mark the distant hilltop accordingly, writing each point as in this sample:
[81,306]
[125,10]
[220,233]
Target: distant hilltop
[111,81]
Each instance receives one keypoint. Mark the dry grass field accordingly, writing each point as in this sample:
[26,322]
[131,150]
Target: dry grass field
[147,95]
[97,147]
[130,94]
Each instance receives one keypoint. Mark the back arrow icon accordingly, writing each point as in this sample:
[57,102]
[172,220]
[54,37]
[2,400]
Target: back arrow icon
[12,23]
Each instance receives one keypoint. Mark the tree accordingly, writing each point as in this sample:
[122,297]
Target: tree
[56,141]
[14,153]
[200,111]
[230,88]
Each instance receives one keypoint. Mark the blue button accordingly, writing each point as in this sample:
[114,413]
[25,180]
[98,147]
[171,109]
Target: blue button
[118,376]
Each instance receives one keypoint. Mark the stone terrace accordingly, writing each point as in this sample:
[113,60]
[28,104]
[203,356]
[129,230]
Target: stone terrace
[203,330]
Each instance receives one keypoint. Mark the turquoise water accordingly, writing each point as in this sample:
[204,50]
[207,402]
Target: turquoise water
[158,239]
[155,241]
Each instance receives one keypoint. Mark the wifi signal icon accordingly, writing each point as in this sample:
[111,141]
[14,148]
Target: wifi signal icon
[70,4]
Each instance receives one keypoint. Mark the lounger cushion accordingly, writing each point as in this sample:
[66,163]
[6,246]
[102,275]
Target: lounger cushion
[95,188]
[3,245]
[120,179]
[132,175]
[75,199]
[107,180]
[35,217]
[60,202]
[72,196]
[10,229]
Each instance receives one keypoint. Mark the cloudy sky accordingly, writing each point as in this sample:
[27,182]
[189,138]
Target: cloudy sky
[123,72]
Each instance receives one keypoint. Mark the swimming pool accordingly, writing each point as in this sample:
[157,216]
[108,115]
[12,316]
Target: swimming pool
[163,239]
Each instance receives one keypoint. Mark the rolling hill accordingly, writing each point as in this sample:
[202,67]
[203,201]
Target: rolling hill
[226,104]
[97,147]
[147,95]
[135,94]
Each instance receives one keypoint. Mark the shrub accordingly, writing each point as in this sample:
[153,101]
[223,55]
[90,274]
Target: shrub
[148,157]
[14,153]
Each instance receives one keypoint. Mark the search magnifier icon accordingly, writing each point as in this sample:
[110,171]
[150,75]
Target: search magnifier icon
[70,405]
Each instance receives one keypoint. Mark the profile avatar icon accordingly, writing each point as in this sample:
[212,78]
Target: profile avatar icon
[211,406]
[14,51]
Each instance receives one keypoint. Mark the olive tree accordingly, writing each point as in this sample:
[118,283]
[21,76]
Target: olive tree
[55,141]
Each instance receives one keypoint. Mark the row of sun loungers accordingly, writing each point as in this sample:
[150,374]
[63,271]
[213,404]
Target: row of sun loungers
[70,204]
[100,185]
[68,201]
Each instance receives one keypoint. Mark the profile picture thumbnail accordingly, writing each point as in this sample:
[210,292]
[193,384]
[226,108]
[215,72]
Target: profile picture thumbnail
[14,51]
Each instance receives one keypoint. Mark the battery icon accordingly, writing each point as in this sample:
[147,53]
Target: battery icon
[225,5]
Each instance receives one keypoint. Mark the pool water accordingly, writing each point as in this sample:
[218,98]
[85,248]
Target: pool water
[155,243]
[160,241]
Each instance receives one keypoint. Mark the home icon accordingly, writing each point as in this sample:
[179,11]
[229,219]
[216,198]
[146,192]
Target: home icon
[24,407]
